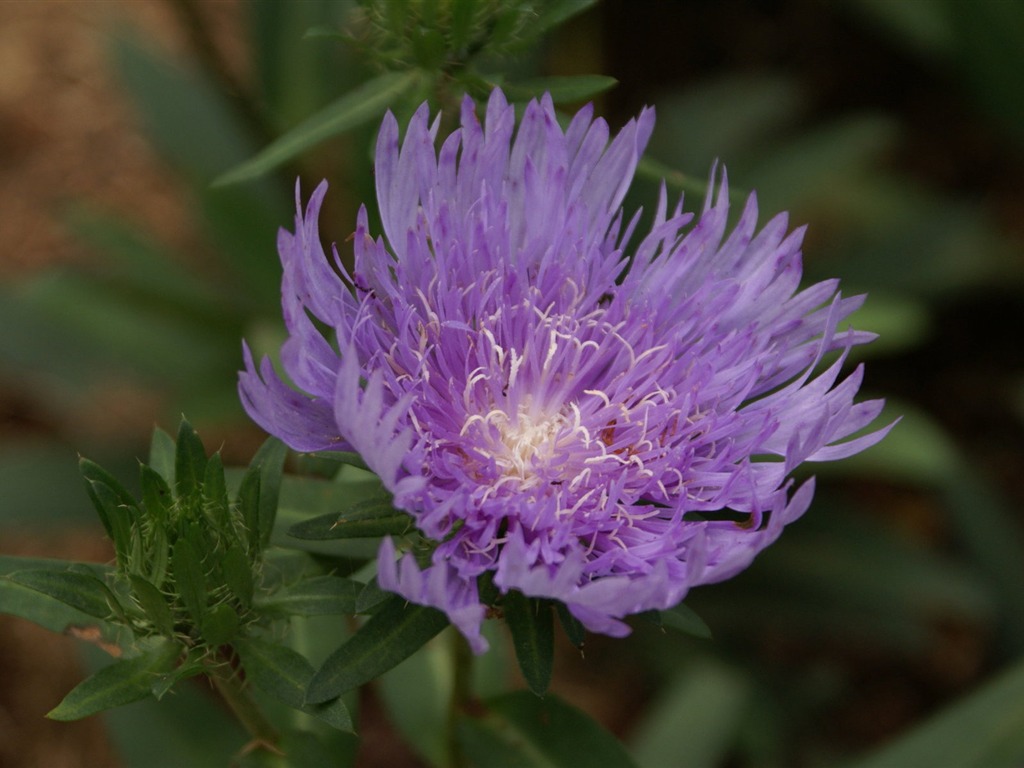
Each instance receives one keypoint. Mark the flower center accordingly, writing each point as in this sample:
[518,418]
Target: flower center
[529,442]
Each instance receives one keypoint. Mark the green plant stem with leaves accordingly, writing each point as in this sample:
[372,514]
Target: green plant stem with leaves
[238,696]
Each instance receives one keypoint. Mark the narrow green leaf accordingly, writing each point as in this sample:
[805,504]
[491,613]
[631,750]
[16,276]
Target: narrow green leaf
[268,463]
[79,590]
[318,596]
[35,606]
[111,501]
[120,683]
[562,89]
[522,731]
[360,106]
[161,455]
[573,628]
[533,638]
[93,472]
[371,597]
[391,635]
[248,501]
[189,579]
[238,577]
[364,519]
[156,495]
[284,674]
[984,730]
[215,493]
[153,604]
[682,618]
[189,460]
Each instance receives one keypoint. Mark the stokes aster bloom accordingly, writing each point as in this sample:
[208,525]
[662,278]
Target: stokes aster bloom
[601,426]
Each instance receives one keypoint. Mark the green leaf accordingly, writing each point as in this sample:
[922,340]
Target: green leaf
[120,683]
[215,494]
[531,624]
[318,596]
[519,730]
[370,597]
[157,498]
[189,461]
[153,604]
[238,576]
[391,635]
[112,502]
[684,619]
[564,89]
[248,501]
[269,464]
[220,625]
[985,730]
[285,674]
[363,520]
[360,106]
[189,579]
[574,630]
[35,606]
[79,590]
[161,455]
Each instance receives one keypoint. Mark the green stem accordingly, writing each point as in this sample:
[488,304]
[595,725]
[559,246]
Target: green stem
[462,684]
[239,698]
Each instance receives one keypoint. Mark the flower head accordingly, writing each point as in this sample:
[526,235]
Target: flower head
[601,426]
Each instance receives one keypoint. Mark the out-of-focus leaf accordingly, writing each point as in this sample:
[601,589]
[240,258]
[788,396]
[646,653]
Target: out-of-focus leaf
[727,120]
[557,12]
[683,618]
[533,638]
[362,105]
[185,116]
[416,693]
[390,636]
[295,76]
[985,730]
[81,591]
[924,25]
[988,35]
[917,451]
[120,683]
[707,704]
[562,89]
[17,600]
[284,674]
[518,729]
[318,596]
[899,322]
[365,519]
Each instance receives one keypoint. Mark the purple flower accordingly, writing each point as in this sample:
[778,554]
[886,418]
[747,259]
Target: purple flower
[602,426]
